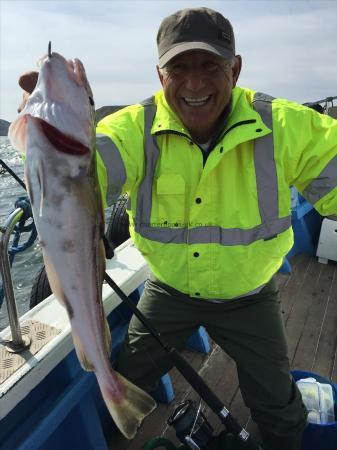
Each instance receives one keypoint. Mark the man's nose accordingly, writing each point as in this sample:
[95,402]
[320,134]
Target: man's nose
[194,80]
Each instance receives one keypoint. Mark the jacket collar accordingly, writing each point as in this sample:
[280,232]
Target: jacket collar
[241,111]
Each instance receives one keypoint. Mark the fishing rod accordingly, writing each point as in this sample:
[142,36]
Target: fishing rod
[185,369]
[14,175]
[188,372]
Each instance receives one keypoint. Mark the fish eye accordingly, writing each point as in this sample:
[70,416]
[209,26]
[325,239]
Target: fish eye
[91,101]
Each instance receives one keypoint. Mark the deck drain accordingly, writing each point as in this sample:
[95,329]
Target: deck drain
[40,335]
[7,363]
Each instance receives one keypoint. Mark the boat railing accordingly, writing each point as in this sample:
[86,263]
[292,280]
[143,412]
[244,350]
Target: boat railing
[47,389]
[326,105]
[18,342]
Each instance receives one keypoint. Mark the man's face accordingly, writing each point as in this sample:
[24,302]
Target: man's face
[197,86]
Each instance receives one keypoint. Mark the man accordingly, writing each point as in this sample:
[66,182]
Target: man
[207,166]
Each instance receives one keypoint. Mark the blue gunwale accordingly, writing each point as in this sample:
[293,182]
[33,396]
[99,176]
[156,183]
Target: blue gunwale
[50,402]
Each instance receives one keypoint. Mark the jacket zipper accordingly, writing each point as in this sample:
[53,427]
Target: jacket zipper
[204,154]
[243,122]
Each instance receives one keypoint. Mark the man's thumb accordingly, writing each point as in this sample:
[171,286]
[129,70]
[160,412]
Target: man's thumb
[28,80]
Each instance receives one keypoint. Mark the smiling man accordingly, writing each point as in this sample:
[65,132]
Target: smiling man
[198,77]
[198,87]
[207,166]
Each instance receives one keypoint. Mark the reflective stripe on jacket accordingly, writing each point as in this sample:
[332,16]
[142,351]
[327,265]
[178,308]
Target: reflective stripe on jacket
[218,230]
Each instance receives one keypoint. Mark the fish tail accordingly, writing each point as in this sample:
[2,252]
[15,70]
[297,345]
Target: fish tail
[130,409]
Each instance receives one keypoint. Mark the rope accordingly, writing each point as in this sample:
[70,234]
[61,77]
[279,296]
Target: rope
[21,227]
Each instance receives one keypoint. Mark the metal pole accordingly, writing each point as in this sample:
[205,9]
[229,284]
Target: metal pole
[18,342]
[327,99]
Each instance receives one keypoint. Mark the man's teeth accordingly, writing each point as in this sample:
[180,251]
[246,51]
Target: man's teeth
[196,101]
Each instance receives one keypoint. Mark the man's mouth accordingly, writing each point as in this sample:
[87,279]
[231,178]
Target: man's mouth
[201,101]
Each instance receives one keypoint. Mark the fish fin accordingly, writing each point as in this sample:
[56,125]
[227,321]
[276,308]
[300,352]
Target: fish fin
[17,133]
[30,190]
[55,284]
[41,180]
[107,336]
[85,363]
[129,411]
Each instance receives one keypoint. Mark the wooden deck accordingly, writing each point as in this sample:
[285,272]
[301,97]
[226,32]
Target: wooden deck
[309,305]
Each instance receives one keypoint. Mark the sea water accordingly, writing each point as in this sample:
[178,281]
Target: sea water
[28,263]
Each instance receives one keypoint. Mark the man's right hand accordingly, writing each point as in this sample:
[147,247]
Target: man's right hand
[27,82]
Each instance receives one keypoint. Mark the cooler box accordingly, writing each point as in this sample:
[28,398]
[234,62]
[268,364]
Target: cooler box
[319,436]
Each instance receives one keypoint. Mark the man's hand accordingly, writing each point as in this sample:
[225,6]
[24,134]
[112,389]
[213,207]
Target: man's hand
[27,82]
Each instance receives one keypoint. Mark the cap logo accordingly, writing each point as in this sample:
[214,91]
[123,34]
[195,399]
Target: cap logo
[224,35]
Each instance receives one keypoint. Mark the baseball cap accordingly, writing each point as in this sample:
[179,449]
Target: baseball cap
[195,29]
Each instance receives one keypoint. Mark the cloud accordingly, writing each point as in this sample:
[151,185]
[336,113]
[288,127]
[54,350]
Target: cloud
[109,40]
[290,52]
[288,48]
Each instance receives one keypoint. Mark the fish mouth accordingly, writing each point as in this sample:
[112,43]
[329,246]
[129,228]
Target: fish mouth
[60,141]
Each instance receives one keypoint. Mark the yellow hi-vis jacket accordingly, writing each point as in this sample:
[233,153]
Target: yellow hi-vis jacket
[218,230]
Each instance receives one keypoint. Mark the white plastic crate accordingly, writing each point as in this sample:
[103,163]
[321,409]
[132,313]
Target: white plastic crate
[318,399]
[327,244]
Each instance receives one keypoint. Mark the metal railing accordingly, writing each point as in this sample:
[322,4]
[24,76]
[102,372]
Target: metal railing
[326,105]
[18,342]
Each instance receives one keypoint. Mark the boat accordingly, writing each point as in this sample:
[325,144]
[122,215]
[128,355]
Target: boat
[48,402]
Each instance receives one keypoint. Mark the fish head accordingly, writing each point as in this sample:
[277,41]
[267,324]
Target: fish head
[62,103]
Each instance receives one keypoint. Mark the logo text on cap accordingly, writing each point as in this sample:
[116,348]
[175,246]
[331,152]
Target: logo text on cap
[224,35]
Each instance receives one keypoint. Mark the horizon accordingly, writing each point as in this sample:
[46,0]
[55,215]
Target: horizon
[287,46]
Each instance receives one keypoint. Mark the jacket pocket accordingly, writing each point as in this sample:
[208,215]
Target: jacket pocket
[170,199]
[278,246]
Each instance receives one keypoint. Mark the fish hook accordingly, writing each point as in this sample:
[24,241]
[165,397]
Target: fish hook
[49,49]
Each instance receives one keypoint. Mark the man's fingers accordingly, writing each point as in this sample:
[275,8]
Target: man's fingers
[24,101]
[28,81]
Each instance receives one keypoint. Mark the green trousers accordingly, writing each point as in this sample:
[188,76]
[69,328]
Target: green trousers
[250,330]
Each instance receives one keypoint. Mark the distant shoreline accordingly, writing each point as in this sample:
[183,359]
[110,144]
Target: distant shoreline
[4,125]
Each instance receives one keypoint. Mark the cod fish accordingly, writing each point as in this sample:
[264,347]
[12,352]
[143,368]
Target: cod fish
[56,130]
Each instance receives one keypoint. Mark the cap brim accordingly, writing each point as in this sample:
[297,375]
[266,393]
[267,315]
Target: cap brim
[187,46]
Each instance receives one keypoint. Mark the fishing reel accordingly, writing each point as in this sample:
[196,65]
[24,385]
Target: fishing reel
[193,429]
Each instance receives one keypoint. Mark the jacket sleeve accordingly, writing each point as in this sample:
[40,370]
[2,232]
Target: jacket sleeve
[310,140]
[119,155]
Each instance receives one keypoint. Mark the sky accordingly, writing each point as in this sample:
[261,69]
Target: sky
[289,48]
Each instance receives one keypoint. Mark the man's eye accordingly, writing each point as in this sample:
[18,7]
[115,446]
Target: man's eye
[210,66]
[177,69]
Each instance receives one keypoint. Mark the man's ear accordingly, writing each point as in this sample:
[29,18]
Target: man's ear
[236,69]
[160,75]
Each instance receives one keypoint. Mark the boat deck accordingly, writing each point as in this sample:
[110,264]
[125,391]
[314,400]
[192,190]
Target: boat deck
[309,306]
